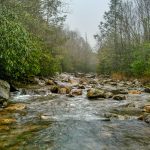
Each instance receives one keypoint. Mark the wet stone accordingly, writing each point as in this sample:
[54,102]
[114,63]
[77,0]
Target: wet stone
[14,107]
[135,92]
[147,90]
[119,97]
[147,108]
[95,93]
[147,119]
[54,89]
[76,92]
[7,121]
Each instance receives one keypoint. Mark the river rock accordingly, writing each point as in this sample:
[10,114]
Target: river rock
[130,111]
[147,119]
[74,82]
[63,91]
[7,121]
[119,91]
[15,107]
[79,75]
[35,80]
[135,92]
[80,86]
[76,92]
[95,93]
[107,81]
[83,81]
[4,128]
[147,108]
[54,89]
[93,81]
[4,89]
[50,82]
[108,95]
[113,83]
[119,97]
[4,93]
[147,90]
[110,115]
[136,83]
[90,75]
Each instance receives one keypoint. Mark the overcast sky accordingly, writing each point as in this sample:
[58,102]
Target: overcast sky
[85,16]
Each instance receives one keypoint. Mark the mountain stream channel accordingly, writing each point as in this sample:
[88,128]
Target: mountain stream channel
[48,117]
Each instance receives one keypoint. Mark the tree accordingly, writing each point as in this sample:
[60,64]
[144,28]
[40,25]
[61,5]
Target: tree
[125,28]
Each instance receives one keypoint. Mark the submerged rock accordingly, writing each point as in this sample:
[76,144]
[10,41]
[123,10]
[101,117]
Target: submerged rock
[130,111]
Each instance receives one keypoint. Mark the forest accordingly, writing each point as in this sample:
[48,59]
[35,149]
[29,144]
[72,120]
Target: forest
[34,40]
[124,39]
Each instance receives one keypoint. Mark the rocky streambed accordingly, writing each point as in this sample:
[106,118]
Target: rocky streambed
[77,112]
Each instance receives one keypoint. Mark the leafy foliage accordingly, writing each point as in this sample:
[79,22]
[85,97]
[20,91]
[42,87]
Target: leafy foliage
[17,48]
[33,41]
[141,63]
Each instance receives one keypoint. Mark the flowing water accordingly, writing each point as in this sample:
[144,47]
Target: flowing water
[57,122]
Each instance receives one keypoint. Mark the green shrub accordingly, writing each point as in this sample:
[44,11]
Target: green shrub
[19,55]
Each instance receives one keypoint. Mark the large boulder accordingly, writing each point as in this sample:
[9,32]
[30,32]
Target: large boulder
[95,93]
[4,93]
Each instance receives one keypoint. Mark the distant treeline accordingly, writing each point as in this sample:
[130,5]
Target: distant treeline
[124,38]
[34,41]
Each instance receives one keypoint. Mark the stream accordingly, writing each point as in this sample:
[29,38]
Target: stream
[57,122]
